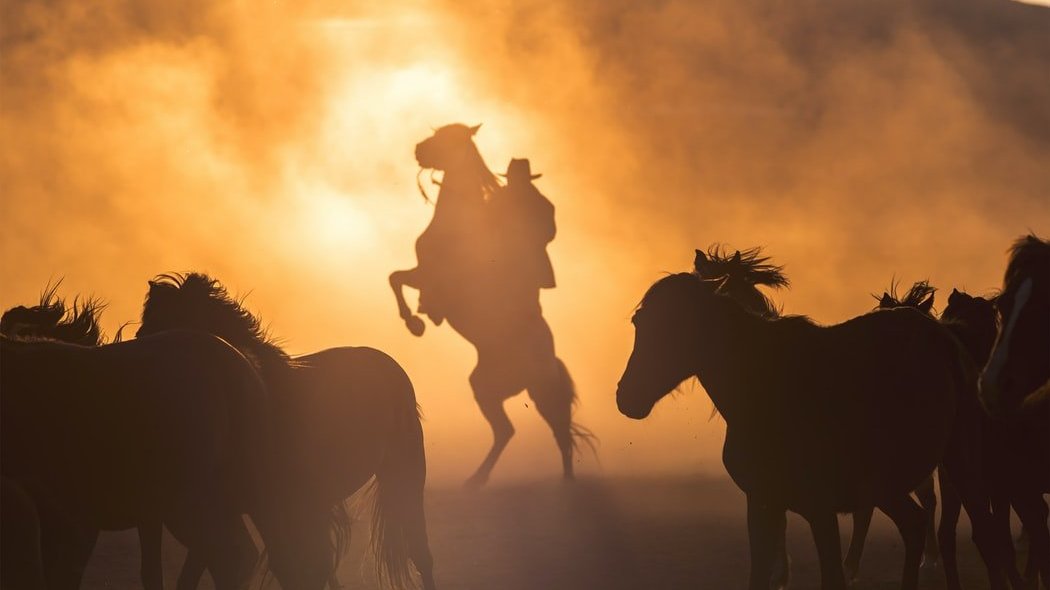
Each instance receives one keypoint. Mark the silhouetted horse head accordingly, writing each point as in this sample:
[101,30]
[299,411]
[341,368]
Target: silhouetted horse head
[52,319]
[450,146]
[920,296]
[1019,365]
[976,320]
[668,324]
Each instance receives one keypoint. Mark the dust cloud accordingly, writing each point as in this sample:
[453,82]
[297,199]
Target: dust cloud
[270,144]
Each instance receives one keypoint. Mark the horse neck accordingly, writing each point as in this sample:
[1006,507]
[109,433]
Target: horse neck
[726,362]
[29,373]
[461,191]
[976,339]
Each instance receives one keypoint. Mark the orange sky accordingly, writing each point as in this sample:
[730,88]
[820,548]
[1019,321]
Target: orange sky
[271,146]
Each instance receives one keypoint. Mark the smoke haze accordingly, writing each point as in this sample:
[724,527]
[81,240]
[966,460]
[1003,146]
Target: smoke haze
[270,144]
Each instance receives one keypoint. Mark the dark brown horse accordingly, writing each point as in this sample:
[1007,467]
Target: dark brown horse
[169,429]
[820,420]
[920,296]
[462,278]
[343,416]
[1016,455]
[740,274]
[63,547]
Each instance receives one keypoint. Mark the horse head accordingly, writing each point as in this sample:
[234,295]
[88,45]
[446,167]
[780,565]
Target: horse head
[678,319]
[977,321]
[1018,365]
[449,147]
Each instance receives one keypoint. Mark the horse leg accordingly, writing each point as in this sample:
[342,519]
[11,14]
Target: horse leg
[1000,505]
[553,397]
[1032,510]
[967,476]
[19,539]
[221,542]
[765,527]
[951,506]
[502,430]
[910,519]
[928,500]
[861,523]
[490,399]
[65,547]
[403,278]
[150,552]
[781,569]
[825,528]
[192,571]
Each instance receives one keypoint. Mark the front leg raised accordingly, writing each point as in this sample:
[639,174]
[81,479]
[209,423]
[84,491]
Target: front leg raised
[399,279]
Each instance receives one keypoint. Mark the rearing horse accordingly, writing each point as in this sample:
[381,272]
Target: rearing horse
[461,277]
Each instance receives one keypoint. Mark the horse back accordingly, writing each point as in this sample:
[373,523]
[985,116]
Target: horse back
[342,406]
[127,425]
[848,413]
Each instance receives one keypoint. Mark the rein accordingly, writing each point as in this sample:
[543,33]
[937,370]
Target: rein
[419,184]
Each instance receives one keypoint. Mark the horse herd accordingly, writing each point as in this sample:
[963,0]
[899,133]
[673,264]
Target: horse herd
[202,419]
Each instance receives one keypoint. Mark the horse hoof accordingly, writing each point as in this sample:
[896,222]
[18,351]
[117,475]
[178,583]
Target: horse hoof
[415,325]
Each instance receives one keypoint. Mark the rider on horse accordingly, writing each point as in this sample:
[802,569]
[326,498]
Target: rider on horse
[526,219]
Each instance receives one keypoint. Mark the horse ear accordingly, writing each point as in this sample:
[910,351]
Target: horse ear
[736,257]
[699,260]
[474,129]
[926,305]
[886,300]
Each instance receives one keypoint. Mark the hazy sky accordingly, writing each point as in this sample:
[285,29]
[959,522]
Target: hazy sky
[270,144]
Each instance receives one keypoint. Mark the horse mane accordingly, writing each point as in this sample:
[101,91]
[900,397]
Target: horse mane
[749,265]
[743,271]
[1029,255]
[52,319]
[489,182]
[919,292]
[208,301]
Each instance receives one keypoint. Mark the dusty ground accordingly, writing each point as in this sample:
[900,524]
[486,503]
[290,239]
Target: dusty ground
[655,533]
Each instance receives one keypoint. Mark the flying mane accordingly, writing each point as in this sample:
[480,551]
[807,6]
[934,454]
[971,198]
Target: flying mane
[916,295]
[51,318]
[196,301]
[1028,255]
[743,270]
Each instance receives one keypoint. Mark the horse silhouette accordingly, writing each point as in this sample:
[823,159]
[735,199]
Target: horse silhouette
[65,553]
[169,429]
[462,277]
[819,420]
[1016,454]
[1018,370]
[740,274]
[919,296]
[342,416]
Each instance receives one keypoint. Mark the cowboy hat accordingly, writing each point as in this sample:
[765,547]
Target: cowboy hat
[520,168]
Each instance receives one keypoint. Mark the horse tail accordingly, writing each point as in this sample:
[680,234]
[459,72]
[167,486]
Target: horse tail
[582,437]
[399,530]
